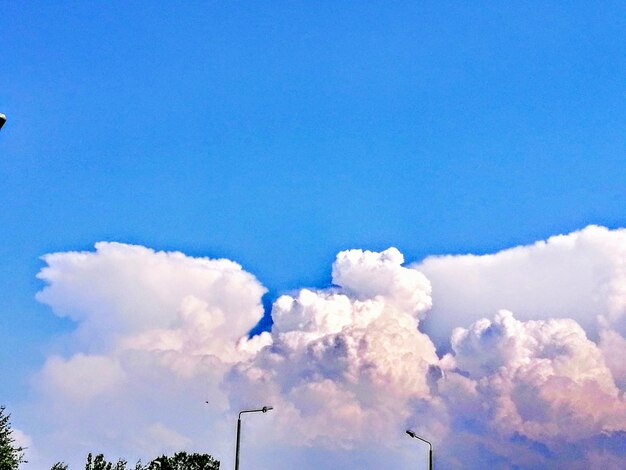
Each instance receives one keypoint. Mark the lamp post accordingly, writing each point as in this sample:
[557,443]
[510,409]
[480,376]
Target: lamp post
[430,446]
[265,409]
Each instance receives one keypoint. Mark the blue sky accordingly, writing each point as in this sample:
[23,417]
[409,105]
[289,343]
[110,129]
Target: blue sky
[279,133]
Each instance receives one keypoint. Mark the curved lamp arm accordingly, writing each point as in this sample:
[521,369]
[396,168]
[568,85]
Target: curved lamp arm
[430,450]
[265,409]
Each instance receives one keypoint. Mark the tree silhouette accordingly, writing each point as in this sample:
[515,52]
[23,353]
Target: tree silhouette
[184,461]
[179,461]
[11,456]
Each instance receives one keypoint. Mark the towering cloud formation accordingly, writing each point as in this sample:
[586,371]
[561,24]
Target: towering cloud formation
[347,367]
[540,382]
[344,361]
[156,333]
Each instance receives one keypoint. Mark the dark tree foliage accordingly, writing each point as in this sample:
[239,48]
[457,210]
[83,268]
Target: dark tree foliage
[11,456]
[101,463]
[184,461]
[179,461]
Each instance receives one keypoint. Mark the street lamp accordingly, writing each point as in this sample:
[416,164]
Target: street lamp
[265,409]
[3,119]
[430,453]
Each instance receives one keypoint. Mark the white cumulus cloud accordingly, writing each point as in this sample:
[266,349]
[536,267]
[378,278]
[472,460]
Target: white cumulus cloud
[581,275]
[347,367]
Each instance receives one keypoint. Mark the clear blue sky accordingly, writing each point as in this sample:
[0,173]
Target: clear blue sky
[278,133]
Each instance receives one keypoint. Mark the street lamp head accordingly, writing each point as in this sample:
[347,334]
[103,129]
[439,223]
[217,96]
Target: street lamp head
[265,409]
[430,447]
[3,119]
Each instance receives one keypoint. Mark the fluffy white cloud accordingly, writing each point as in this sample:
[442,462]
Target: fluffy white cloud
[527,391]
[346,361]
[81,378]
[542,379]
[581,276]
[155,334]
[613,347]
[347,368]
[367,275]
[122,290]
